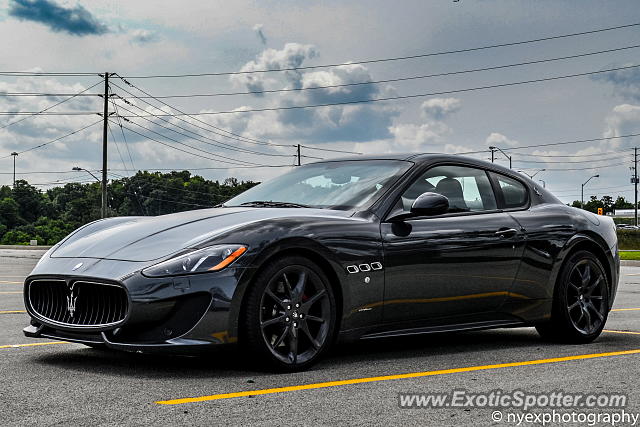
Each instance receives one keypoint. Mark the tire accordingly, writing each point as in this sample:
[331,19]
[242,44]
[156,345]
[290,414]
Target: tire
[580,301]
[290,315]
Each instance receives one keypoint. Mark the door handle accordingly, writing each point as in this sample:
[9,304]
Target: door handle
[506,232]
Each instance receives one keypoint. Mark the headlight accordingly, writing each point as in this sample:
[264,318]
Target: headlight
[213,258]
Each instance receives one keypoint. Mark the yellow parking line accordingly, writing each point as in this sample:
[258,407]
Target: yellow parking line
[621,332]
[625,309]
[392,377]
[33,344]
[12,311]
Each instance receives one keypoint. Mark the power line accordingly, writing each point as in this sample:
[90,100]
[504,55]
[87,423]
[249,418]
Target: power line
[328,149]
[397,58]
[54,140]
[52,106]
[46,94]
[197,126]
[580,141]
[124,138]
[571,162]
[400,79]
[226,133]
[582,169]
[590,189]
[572,155]
[198,155]
[391,98]
[46,74]
[232,161]
[216,142]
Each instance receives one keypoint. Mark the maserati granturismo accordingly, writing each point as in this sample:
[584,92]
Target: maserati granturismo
[348,249]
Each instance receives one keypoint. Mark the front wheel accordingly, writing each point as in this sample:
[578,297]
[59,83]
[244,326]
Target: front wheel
[290,315]
[580,302]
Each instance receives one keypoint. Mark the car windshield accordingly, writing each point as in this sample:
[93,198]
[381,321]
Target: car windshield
[344,185]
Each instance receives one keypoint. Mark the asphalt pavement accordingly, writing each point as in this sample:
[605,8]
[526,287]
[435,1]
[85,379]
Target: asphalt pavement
[358,384]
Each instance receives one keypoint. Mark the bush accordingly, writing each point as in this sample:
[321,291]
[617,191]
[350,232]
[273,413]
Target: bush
[628,239]
[15,237]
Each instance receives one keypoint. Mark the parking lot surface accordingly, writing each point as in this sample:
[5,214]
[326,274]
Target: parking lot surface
[359,384]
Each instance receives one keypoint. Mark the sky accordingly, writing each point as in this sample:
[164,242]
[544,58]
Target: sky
[151,38]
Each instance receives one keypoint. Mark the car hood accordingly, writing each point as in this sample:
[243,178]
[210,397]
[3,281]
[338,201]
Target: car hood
[150,238]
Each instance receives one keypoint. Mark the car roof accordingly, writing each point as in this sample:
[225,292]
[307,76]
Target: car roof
[420,158]
[425,158]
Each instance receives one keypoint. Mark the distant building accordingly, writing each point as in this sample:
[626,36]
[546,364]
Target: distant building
[624,213]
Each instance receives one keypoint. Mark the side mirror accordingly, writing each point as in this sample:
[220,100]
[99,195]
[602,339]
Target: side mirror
[430,204]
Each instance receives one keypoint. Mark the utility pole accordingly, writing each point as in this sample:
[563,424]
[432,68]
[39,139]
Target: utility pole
[299,163]
[14,154]
[582,190]
[635,184]
[493,149]
[104,144]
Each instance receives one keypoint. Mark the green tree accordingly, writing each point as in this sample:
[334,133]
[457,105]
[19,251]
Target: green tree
[9,215]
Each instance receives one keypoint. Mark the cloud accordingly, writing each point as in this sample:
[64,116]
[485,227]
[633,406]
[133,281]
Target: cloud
[141,36]
[349,122]
[258,28]
[292,55]
[76,21]
[624,119]
[500,140]
[439,108]
[626,83]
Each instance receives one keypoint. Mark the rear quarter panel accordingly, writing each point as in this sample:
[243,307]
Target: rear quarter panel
[553,231]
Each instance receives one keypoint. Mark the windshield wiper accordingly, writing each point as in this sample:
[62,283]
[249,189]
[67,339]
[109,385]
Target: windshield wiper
[270,204]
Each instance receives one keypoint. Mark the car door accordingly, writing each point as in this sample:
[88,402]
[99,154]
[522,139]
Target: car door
[458,263]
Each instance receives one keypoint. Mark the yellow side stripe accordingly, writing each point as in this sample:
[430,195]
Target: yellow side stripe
[33,344]
[12,311]
[11,292]
[625,309]
[620,332]
[392,377]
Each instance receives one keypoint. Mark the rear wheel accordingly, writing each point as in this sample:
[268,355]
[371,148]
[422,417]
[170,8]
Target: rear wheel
[580,302]
[290,314]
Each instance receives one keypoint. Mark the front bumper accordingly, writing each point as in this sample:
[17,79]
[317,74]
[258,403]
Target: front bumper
[167,315]
[171,346]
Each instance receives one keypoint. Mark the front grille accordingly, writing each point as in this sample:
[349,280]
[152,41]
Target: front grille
[78,303]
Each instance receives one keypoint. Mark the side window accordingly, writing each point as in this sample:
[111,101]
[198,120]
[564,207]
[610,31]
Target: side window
[468,189]
[514,192]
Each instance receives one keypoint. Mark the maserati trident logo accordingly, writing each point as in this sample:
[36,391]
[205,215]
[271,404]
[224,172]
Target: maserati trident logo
[71,301]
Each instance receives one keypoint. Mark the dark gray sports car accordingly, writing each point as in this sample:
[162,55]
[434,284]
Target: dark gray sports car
[353,249]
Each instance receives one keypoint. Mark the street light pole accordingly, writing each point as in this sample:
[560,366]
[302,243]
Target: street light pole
[78,169]
[492,148]
[14,154]
[532,175]
[582,190]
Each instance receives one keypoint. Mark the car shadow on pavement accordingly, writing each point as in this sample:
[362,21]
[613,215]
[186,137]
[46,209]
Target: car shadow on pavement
[473,348]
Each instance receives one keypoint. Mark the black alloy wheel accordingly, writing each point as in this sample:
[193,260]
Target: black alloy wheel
[581,301]
[290,317]
[585,296]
